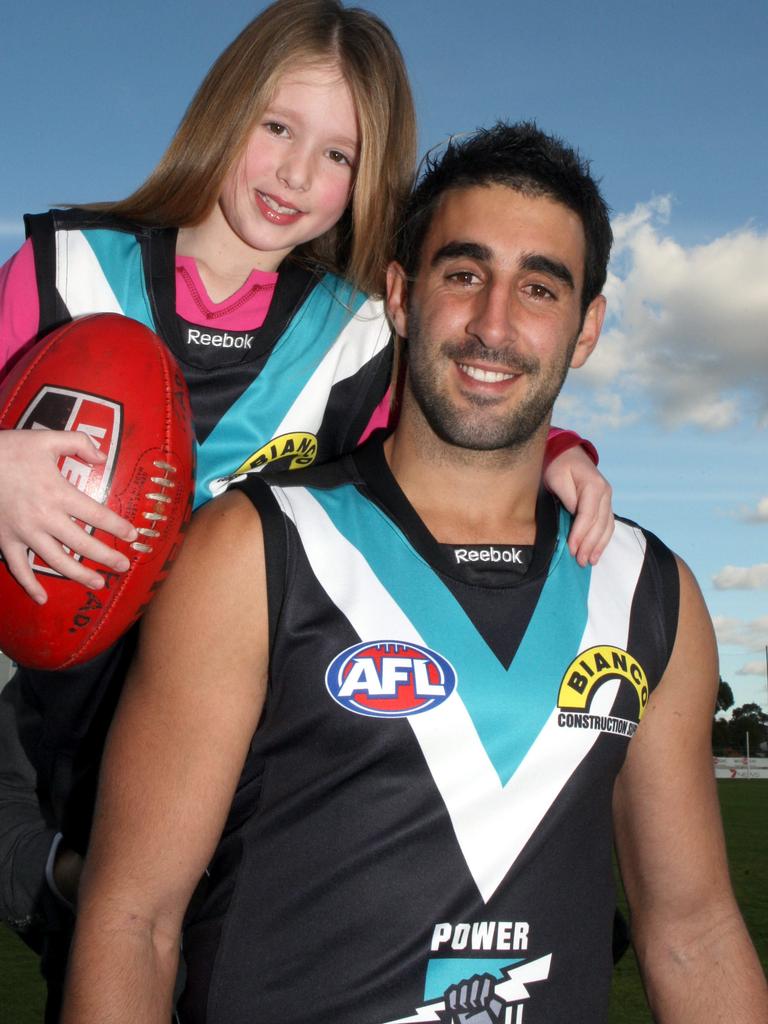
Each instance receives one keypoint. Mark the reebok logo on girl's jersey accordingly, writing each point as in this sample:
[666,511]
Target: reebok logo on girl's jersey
[211,347]
[196,336]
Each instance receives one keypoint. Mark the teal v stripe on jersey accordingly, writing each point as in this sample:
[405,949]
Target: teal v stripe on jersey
[119,255]
[506,727]
[255,418]
[444,972]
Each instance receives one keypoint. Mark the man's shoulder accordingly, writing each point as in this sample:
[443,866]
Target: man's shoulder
[659,581]
[630,531]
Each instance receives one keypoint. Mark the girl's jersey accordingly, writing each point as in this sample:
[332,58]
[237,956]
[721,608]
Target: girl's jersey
[299,388]
[427,798]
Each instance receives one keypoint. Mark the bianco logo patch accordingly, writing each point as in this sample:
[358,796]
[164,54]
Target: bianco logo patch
[293,451]
[387,679]
[583,679]
[297,450]
[595,666]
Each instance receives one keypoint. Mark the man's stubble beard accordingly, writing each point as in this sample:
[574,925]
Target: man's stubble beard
[482,431]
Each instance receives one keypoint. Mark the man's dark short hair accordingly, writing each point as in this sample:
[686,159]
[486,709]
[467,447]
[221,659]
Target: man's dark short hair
[523,158]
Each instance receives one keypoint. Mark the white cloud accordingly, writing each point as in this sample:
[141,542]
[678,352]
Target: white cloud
[687,330]
[758,514]
[603,410]
[751,668]
[626,224]
[752,636]
[734,577]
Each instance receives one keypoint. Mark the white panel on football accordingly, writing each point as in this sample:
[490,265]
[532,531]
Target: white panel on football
[6,670]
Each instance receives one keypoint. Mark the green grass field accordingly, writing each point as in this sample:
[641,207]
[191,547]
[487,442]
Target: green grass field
[744,806]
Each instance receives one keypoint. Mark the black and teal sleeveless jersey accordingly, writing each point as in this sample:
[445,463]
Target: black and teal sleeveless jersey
[302,392]
[299,389]
[427,798]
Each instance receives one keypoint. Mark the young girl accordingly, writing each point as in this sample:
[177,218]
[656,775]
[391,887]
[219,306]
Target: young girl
[251,250]
[194,254]
[309,101]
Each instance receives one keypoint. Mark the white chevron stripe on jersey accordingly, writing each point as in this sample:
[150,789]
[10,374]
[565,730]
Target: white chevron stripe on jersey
[356,591]
[356,345]
[614,580]
[492,822]
[80,280]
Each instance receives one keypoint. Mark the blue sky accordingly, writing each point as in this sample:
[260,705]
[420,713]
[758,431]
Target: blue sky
[669,102]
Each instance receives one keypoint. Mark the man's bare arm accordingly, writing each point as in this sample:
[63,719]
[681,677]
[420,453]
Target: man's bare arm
[697,961]
[190,707]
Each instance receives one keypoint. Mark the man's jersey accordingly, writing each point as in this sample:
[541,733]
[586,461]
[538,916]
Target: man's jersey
[301,388]
[427,797]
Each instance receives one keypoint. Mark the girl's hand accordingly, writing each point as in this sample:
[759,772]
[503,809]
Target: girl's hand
[583,490]
[37,506]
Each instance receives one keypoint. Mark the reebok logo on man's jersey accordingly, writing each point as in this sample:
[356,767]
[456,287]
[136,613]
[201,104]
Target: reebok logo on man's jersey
[497,556]
[238,340]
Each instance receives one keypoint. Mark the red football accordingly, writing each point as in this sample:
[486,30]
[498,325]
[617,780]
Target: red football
[112,378]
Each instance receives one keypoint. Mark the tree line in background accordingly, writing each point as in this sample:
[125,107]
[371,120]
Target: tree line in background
[729,735]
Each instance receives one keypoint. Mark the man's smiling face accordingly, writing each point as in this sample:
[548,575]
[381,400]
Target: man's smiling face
[493,318]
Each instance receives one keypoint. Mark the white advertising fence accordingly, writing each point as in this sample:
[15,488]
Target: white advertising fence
[741,767]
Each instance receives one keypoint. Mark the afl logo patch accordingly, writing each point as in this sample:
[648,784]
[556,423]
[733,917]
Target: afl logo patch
[388,679]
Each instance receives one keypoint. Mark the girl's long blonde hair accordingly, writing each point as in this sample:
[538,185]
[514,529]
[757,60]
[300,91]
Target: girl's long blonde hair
[214,131]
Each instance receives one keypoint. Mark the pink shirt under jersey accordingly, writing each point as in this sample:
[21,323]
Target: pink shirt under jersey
[246,308]
[20,307]
[19,304]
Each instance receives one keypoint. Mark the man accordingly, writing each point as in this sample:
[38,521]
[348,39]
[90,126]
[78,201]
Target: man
[430,717]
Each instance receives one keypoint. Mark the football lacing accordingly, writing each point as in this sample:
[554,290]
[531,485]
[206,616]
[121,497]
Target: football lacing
[157,496]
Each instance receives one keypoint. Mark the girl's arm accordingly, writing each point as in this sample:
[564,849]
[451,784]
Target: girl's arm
[570,473]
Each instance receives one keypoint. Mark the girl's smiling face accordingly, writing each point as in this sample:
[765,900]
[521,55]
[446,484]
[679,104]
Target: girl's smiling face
[295,177]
